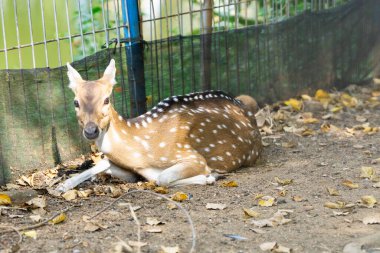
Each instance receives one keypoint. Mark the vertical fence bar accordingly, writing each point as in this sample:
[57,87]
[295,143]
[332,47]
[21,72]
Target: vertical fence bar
[206,37]
[69,30]
[135,56]
[4,35]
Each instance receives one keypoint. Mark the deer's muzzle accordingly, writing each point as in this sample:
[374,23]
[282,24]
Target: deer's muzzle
[91,131]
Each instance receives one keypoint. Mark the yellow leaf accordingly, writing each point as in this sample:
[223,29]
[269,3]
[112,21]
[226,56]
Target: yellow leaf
[306,97]
[60,218]
[180,196]
[332,191]
[307,132]
[375,93]
[230,184]
[350,184]
[5,200]
[321,94]
[297,198]
[161,189]
[310,121]
[368,201]
[348,101]
[294,103]
[149,101]
[337,205]
[70,195]
[266,201]
[31,234]
[367,172]
[283,193]
[283,181]
[336,109]
[258,196]
[251,213]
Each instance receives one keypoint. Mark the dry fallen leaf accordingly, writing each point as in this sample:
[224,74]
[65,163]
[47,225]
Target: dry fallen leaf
[283,181]
[31,234]
[377,185]
[279,218]
[5,200]
[332,191]
[60,218]
[39,202]
[169,249]
[70,195]
[214,206]
[172,206]
[368,201]
[348,100]
[251,213]
[266,201]
[350,184]
[180,196]
[230,184]
[153,221]
[274,247]
[372,219]
[151,229]
[367,172]
[161,190]
[35,218]
[91,227]
[297,198]
[294,103]
[333,205]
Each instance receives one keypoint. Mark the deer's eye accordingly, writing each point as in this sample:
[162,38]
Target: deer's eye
[76,103]
[106,101]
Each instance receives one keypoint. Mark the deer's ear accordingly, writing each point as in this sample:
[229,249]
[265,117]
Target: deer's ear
[109,73]
[74,77]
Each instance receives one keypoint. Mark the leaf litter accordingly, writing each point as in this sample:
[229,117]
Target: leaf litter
[289,117]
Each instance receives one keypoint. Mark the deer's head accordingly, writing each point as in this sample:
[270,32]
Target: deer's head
[92,102]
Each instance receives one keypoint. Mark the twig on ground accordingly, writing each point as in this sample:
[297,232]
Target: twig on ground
[13,208]
[138,227]
[12,228]
[193,242]
[38,224]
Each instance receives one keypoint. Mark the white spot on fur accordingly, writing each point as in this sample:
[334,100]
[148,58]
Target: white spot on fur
[144,124]
[123,131]
[147,137]
[203,124]
[149,119]
[212,145]
[136,155]
[154,115]
[163,159]
[129,123]
[228,153]
[198,140]
[179,145]
[173,130]
[207,149]
[215,131]
[137,125]
[187,146]
[162,144]
[120,118]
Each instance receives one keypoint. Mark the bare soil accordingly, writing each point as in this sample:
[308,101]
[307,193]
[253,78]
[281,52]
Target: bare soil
[313,162]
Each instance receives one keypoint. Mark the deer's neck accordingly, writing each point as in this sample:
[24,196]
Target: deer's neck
[120,137]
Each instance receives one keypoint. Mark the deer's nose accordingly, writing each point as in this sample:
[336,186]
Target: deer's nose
[91,131]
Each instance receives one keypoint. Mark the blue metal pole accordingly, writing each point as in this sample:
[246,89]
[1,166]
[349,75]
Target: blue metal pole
[135,56]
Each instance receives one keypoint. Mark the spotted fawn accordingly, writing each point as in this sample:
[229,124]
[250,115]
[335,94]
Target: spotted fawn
[180,141]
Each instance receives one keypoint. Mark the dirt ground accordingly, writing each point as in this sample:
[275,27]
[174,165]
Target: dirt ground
[304,155]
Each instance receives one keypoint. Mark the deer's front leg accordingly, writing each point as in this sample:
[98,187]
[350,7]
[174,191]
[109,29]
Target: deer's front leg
[186,172]
[103,166]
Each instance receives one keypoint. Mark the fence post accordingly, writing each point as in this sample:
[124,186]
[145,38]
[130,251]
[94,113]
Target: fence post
[135,56]
[206,36]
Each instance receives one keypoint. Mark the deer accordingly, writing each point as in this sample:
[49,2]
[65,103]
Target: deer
[183,140]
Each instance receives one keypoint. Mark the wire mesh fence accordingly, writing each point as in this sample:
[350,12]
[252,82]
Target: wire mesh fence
[270,49]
